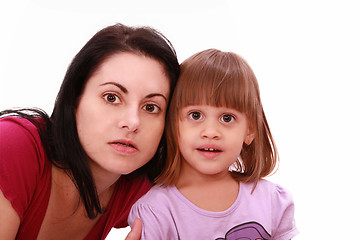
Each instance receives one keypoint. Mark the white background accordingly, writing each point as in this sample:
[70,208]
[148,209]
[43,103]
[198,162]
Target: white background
[305,54]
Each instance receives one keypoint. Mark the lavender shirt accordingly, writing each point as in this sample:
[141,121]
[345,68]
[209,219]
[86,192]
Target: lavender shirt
[267,213]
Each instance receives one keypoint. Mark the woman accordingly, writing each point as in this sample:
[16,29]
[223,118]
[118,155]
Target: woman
[76,174]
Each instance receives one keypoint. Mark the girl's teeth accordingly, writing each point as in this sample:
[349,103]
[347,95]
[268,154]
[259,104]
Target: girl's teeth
[209,149]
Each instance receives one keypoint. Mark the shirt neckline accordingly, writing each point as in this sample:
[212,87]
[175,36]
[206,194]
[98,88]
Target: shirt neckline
[204,212]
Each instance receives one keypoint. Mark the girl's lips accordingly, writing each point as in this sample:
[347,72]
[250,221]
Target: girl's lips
[209,152]
[209,148]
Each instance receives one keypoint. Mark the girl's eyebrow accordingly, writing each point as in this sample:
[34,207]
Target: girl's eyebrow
[124,90]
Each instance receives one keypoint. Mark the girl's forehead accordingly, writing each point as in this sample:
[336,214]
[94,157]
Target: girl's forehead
[215,101]
[207,106]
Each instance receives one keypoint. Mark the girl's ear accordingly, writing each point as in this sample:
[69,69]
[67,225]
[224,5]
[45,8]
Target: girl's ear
[249,138]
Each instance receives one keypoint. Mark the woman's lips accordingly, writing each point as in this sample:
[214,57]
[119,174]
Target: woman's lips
[124,146]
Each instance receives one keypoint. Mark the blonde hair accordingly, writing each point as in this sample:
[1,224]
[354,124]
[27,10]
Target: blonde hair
[217,78]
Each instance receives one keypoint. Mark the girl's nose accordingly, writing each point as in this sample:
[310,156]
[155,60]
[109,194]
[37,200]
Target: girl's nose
[210,131]
[130,119]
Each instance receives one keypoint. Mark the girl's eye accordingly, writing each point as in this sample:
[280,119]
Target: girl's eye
[227,118]
[152,108]
[195,115]
[111,98]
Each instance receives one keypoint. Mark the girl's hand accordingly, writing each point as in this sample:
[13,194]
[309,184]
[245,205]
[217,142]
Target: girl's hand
[135,233]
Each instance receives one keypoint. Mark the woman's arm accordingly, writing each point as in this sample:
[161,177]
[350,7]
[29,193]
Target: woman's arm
[9,219]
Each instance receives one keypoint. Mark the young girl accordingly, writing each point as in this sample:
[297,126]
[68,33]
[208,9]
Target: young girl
[219,149]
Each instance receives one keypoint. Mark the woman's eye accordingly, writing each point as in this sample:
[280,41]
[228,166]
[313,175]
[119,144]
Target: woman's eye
[151,108]
[227,118]
[111,98]
[195,115]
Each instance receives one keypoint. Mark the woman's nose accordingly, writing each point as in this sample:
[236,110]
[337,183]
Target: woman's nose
[130,119]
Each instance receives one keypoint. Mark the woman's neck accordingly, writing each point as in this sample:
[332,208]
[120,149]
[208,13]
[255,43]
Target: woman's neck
[68,192]
[103,180]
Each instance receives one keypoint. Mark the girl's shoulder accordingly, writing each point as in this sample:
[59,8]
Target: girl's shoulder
[263,186]
[274,202]
[264,190]
[157,195]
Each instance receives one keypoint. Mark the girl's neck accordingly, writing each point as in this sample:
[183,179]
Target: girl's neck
[211,193]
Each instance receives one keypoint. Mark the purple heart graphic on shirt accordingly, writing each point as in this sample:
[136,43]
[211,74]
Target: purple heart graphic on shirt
[247,231]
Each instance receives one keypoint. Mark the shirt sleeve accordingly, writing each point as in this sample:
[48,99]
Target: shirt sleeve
[283,208]
[129,192]
[19,161]
[155,224]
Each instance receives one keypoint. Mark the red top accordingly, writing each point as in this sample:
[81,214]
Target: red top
[25,180]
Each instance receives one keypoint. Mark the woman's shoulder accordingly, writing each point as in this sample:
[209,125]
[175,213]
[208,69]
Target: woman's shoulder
[19,128]
[20,134]
[15,121]
[23,161]
[21,146]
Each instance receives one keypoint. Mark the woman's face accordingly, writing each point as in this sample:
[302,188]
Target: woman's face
[121,113]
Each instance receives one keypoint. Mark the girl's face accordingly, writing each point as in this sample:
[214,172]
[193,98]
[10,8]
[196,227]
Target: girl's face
[121,113]
[211,138]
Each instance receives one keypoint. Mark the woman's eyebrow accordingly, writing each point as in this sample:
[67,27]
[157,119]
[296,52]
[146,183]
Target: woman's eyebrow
[124,90]
[121,87]
[156,95]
